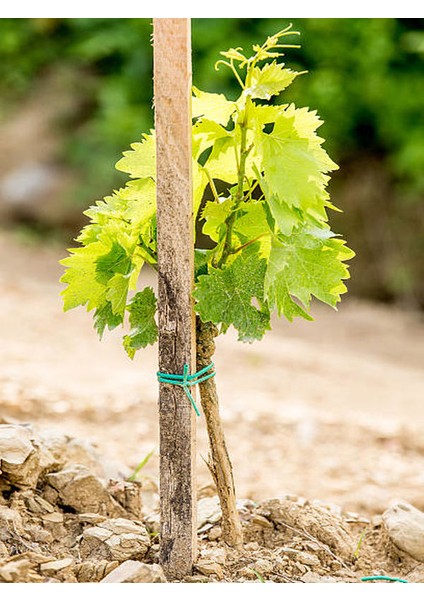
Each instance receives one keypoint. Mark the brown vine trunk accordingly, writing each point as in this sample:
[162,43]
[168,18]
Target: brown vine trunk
[219,462]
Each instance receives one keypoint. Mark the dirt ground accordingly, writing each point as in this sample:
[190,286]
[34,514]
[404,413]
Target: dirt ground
[330,410]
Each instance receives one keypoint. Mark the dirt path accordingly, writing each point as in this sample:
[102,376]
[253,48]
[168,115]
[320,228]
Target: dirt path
[330,410]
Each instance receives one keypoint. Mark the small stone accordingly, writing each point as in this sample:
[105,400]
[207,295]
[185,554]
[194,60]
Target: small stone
[91,518]
[416,575]
[299,500]
[263,566]
[314,546]
[325,526]
[11,526]
[211,561]
[215,533]
[56,565]
[206,527]
[405,526]
[311,577]
[330,506]
[89,572]
[68,450]
[38,534]
[208,510]
[10,519]
[214,554]
[262,521]
[132,571]
[15,570]
[245,507]
[300,567]
[36,504]
[287,551]
[353,517]
[54,517]
[51,495]
[308,559]
[207,567]
[15,444]
[23,457]
[251,546]
[21,568]
[291,497]
[128,495]
[195,579]
[115,539]
[84,492]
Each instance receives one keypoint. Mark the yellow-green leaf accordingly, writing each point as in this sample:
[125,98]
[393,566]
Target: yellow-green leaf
[141,160]
[269,80]
[215,107]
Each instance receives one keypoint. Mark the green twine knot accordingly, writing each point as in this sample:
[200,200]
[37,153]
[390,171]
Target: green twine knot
[186,380]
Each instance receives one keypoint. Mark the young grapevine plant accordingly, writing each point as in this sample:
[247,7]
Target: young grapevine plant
[271,247]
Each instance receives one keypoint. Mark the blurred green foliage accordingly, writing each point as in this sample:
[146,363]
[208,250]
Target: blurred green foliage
[109,65]
[366,79]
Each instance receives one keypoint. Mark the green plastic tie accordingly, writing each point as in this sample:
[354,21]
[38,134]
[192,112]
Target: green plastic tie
[383,578]
[186,380]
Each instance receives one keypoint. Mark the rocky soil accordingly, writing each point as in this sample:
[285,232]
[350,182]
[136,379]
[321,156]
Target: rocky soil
[63,520]
[324,422]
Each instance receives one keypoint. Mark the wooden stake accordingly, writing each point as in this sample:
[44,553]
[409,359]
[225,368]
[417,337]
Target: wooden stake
[172,98]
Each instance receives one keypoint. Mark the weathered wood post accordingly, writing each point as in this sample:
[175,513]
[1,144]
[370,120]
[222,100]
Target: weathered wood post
[172,100]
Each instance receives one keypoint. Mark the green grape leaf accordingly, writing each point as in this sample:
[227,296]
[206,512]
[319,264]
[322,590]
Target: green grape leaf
[139,202]
[123,216]
[221,163]
[144,331]
[294,171]
[263,114]
[214,107]
[117,292]
[140,162]
[251,223]
[306,122]
[200,181]
[114,261]
[205,134]
[83,286]
[269,80]
[214,214]
[105,317]
[251,220]
[228,296]
[222,145]
[210,137]
[201,258]
[287,217]
[303,265]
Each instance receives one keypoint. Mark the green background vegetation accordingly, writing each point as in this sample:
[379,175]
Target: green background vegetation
[365,78]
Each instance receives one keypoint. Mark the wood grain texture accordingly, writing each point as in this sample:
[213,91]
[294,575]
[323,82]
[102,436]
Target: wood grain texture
[172,99]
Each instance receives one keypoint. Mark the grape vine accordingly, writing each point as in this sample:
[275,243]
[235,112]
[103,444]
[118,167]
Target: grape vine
[272,248]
